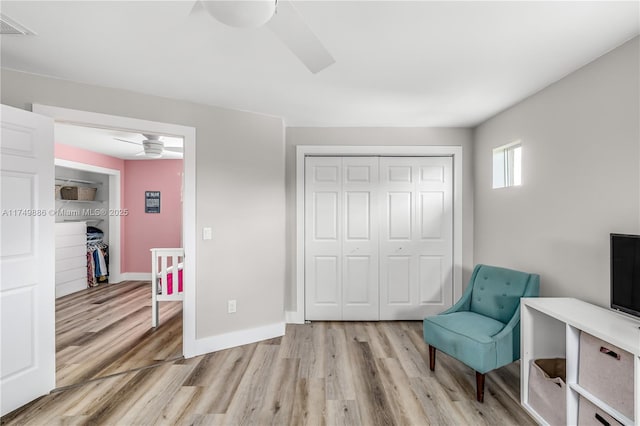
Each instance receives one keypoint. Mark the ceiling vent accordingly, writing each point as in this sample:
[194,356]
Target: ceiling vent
[9,26]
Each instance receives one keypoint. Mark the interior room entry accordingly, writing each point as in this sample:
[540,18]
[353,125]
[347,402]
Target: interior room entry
[378,237]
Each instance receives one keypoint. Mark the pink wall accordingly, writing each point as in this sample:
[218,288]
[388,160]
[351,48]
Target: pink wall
[140,231]
[79,155]
[148,230]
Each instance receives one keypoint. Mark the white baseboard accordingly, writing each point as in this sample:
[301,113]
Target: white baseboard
[235,338]
[135,276]
[293,317]
[115,278]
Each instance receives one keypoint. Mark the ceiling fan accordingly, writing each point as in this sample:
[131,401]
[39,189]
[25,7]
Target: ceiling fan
[152,146]
[279,16]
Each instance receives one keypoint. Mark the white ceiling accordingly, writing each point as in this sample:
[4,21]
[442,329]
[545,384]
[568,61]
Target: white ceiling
[414,63]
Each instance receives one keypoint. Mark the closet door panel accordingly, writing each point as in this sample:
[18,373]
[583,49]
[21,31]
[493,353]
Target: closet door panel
[326,275]
[417,225]
[398,173]
[323,262]
[434,185]
[360,240]
[324,173]
[432,173]
[430,277]
[398,273]
[431,215]
[358,223]
[397,279]
[399,215]
[325,214]
[357,272]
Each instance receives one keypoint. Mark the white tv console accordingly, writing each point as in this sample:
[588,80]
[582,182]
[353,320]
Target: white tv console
[550,328]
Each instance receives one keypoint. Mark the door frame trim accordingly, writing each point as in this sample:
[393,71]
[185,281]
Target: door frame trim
[189,230]
[297,316]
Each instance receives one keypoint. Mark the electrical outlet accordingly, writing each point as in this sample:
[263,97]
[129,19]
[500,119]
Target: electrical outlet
[231,306]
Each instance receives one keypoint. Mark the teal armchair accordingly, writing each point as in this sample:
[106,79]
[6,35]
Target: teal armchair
[482,330]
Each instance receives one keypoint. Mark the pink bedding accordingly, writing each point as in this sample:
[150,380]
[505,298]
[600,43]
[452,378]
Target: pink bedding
[170,280]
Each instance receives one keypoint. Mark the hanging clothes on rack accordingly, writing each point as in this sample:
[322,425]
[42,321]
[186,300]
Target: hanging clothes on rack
[97,257]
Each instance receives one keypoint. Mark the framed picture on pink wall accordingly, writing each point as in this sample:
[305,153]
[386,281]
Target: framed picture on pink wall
[152,201]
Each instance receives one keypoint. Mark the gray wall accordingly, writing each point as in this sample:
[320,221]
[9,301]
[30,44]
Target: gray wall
[376,137]
[581,162]
[240,193]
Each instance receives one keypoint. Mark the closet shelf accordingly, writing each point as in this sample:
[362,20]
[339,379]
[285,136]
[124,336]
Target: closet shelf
[79,201]
[84,220]
[73,180]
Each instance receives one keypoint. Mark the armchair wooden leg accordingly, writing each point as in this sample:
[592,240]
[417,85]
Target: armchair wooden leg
[479,387]
[432,358]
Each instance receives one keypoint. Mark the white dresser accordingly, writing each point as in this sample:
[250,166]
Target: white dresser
[551,327]
[71,257]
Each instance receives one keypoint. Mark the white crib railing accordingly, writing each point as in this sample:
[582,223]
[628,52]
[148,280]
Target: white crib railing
[164,262]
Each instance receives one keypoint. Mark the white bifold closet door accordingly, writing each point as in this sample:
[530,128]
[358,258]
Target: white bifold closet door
[378,237]
[341,252]
[416,237]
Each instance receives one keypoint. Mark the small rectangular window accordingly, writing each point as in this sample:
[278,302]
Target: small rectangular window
[507,165]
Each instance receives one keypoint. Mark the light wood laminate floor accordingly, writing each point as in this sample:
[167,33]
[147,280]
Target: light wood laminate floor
[324,373]
[107,330]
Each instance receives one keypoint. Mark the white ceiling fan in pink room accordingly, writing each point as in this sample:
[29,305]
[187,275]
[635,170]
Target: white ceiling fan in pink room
[153,146]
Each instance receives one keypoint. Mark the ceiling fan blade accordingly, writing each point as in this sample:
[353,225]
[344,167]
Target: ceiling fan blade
[124,140]
[173,149]
[140,154]
[289,26]
[198,7]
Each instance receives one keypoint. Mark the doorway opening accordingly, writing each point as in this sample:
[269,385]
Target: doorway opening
[104,330]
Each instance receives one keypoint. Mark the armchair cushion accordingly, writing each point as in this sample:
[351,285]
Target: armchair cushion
[497,291]
[466,335]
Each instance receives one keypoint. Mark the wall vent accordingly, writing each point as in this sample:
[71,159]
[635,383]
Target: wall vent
[8,26]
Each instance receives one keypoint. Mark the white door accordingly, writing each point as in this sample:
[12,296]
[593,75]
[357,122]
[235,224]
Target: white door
[360,238]
[27,286]
[416,238]
[341,235]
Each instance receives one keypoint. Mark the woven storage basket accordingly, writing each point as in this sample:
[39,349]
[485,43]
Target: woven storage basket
[590,415]
[606,371]
[547,389]
[80,193]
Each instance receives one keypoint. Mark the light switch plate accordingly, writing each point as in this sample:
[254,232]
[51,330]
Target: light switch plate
[206,233]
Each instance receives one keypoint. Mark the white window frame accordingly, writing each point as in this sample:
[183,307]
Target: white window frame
[507,165]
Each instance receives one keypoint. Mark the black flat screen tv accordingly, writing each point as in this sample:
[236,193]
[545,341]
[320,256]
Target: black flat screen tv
[625,273]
